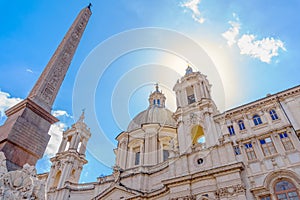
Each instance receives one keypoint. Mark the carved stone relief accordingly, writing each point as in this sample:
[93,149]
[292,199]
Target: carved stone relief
[20,184]
[189,197]
[230,191]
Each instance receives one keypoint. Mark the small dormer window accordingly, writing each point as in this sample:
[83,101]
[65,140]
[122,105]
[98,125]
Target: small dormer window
[158,101]
[154,102]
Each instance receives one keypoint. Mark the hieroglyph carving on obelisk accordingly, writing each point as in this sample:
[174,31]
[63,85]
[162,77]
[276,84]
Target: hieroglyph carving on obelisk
[24,135]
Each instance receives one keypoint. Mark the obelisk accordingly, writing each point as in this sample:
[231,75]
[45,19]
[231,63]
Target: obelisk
[24,135]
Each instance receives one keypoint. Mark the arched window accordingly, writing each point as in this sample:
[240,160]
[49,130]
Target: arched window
[285,190]
[79,146]
[67,146]
[273,114]
[241,125]
[137,155]
[68,143]
[257,120]
[197,134]
[56,179]
[231,130]
[137,158]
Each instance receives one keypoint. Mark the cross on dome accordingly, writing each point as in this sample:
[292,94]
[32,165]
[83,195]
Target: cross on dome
[156,87]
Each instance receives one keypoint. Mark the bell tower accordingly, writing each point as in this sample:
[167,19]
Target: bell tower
[68,162]
[24,135]
[195,109]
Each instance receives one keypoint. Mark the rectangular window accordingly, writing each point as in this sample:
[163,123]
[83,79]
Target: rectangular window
[231,130]
[237,150]
[265,198]
[165,155]
[190,95]
[191,99]
[287,144]
[250,151]
[137,158]
[267,146]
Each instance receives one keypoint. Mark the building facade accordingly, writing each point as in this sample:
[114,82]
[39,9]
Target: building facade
[248,152]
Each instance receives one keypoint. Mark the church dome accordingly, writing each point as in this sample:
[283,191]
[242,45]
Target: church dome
[155,114]
[152,115]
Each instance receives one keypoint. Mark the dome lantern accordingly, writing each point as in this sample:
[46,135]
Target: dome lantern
[157,98]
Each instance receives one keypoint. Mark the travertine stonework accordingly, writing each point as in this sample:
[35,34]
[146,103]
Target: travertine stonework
[20,184]
[249,152]
[196,153]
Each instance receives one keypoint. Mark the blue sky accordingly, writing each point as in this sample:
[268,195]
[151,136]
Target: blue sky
[254,46]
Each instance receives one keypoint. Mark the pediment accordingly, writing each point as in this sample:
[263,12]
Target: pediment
[116,192]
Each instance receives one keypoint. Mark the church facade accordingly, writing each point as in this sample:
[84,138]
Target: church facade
[245,153]
[249,152]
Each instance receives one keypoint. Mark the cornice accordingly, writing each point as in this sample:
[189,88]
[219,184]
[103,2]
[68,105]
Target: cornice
[260,102]
[27,103]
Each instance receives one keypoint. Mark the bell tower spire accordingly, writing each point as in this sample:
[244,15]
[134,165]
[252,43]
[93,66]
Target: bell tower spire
[24,135]
[70,158]
[195,109]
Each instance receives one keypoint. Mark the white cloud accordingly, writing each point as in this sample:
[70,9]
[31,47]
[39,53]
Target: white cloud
[193,5]
[59,113]
[264,49]
[6,101]
[55,131]
[231,34]
[29,70]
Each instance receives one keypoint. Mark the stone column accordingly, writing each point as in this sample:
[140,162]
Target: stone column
[64,174]
[73,140]
[77,141]
[83,146]
[197,92]
[184,98]
[184,139]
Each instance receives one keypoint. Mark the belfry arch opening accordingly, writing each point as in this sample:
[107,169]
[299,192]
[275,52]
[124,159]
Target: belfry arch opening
[197,135]
[56,179]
